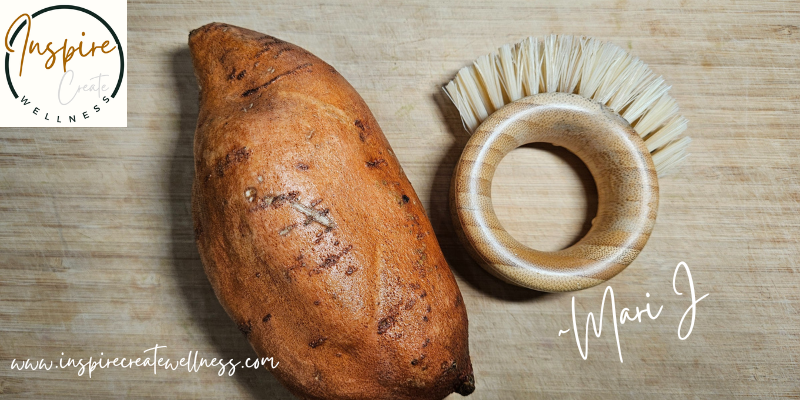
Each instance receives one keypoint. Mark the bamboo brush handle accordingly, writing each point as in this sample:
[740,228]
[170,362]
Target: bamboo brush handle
[623,171]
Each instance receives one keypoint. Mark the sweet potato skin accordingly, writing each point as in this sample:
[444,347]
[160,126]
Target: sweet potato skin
[310,233]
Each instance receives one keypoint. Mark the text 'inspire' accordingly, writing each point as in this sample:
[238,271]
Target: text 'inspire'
[67,52]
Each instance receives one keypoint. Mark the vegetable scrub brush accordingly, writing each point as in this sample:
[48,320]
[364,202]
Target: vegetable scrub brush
[594,99]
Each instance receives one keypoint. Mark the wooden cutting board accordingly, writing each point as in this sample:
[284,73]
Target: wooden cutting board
[97,253]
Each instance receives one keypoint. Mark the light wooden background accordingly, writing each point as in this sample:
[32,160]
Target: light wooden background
[96,248]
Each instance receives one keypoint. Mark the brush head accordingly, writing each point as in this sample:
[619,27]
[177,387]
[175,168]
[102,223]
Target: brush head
[596,70]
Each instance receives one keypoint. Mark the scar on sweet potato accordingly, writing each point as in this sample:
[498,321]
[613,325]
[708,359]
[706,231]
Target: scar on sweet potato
[385,324]
[330,260]
[232,158]
[281,51]
[376,163]
[362,134]
[288,228]
[246,327]
[268,43]
[319,216]
[251,194]
[278,200]
[294,70]
[317,342]
[359,124]
[236,76]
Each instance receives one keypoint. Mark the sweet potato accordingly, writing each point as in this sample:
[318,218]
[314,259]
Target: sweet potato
[310,233]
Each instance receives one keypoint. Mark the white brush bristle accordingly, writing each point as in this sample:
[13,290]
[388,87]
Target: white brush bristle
[588,67]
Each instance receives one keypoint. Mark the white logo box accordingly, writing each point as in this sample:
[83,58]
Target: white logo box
[64,64]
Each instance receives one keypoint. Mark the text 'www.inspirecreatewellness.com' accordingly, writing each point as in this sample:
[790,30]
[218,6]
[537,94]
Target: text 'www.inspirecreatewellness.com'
[192,363]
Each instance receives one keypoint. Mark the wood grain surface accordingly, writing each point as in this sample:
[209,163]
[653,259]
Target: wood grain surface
[96,243]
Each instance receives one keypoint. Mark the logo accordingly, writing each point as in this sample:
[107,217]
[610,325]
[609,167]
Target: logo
[64,65]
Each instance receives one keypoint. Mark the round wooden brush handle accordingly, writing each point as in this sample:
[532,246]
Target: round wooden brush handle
[623,171]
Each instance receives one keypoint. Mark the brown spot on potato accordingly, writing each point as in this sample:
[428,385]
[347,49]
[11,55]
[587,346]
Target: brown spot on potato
[231,159]
[317,342]
[278,200]
[410,304]
[266,318]
[449,366]
[362,130]
[406,199]
[302,167]
[385,324]
[281,51]
[246,327]
[331,260]
[375,163]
